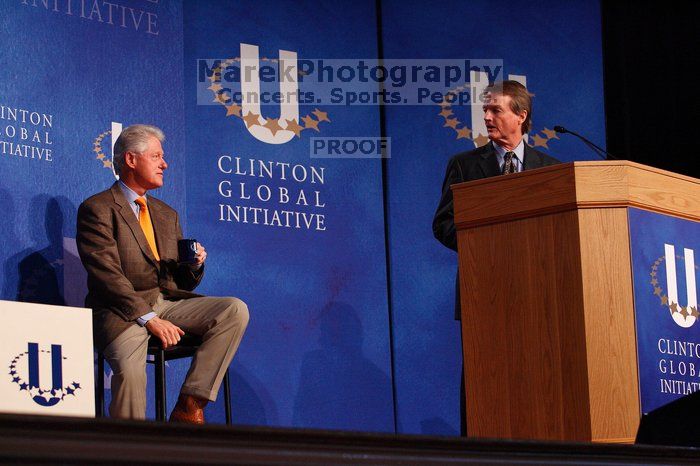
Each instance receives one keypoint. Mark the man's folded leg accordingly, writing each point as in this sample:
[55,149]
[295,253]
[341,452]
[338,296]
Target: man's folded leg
[126,356]
[221,322]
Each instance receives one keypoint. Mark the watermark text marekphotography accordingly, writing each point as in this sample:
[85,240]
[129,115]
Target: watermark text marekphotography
[294,81]
[350,147]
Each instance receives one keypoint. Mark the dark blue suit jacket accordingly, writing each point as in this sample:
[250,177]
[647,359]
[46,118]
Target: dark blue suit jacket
[468,166]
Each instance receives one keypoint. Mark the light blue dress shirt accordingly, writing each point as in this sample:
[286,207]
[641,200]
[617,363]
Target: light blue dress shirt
[517,160]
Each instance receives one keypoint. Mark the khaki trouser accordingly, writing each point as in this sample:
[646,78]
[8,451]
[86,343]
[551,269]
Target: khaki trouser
[220,322]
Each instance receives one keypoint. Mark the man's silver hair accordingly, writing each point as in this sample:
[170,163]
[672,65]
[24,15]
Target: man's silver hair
[133,138]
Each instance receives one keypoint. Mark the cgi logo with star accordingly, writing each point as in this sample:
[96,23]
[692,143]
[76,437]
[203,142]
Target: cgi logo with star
[683,315]
[24,372]
[104,155]
[247,105]
[477,133]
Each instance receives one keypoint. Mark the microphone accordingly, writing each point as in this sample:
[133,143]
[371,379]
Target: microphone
[601,153]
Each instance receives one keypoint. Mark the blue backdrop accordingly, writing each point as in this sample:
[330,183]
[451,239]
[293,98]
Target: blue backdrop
[323,348]
[78,73]
[568,90]
[316,352]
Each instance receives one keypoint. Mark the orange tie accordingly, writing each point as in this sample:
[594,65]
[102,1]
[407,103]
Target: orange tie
[147,226]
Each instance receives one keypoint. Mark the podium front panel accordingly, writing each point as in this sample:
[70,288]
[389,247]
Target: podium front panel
[48,355]
[666,306]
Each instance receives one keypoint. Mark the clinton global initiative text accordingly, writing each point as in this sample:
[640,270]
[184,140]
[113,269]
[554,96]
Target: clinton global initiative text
[278,186]
[271,217]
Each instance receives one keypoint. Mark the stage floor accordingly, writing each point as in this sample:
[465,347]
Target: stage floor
[60,440]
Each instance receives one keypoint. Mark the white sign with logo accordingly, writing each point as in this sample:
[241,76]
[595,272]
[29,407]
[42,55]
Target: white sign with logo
[48,356]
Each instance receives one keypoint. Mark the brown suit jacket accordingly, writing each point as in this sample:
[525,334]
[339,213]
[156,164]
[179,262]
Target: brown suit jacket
[124,278]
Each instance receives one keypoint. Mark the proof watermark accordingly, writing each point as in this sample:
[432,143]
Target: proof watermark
[350,148]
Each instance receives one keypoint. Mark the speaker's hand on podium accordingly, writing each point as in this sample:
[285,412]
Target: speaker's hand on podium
[168,333]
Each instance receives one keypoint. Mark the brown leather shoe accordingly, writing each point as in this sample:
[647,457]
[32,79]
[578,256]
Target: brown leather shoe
[189,409]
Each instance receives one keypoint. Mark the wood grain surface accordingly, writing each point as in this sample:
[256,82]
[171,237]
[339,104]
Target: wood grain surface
[547,297]
[576,185]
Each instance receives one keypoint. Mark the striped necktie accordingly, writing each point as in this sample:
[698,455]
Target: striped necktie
[147,226]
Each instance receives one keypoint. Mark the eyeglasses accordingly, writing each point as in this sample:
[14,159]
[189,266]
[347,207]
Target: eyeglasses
[156,157]
[153,157]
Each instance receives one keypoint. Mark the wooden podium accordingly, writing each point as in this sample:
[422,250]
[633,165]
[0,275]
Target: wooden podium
[547,300]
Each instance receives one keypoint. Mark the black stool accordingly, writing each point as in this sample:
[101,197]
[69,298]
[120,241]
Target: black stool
[185,348]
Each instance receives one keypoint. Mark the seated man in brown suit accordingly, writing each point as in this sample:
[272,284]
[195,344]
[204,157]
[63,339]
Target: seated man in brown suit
[136,287]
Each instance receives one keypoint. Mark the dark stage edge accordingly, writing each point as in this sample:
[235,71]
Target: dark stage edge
[61,440]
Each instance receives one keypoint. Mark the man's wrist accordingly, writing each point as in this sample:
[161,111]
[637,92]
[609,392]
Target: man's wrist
[143,320]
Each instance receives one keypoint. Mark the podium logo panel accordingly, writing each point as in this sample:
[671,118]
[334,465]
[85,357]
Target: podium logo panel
[48,354]
[666,310]
[25,372]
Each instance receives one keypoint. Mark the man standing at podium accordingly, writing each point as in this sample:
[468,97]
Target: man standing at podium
[507,114]
[128,243]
